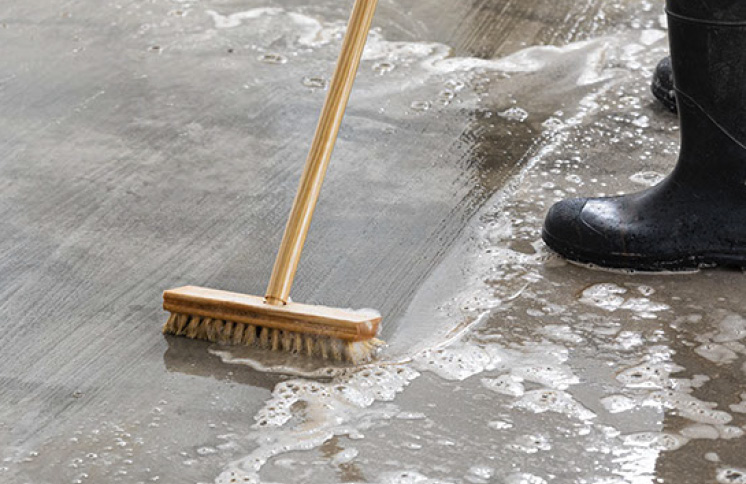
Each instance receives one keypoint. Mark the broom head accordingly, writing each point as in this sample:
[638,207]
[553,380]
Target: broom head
[240,319]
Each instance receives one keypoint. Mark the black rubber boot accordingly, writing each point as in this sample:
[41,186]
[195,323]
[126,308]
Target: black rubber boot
[696,216]
[662,85]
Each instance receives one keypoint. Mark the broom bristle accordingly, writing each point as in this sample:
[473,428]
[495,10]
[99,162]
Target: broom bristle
[231,332]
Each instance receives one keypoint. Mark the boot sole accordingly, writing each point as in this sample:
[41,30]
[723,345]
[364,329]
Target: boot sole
[645,263]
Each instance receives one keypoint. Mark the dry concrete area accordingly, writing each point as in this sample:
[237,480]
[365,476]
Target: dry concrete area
[148,144]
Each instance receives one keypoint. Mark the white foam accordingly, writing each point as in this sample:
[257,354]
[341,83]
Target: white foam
[740,407]
[655,440]
[408,477]
[312,33]
[728,432]
[411,416]
[514,114]
[611,297]
[524,478]
[731,475]
[731,328]
[712,457]
[339,407]
[648,375]
[700,431]
[716,353]
[540,401]
[499,425]
[276,362]
[607,296]
[626,340]
[479,474]
[541,363]
[618,403]
[432,57]
[530,444]
[344,457]
[505,384]
[689,407]
[457,362]
[236,19]
[644,307]
[561,333]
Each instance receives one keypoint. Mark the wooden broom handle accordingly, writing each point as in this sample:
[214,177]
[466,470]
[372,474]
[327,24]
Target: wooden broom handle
[278,290]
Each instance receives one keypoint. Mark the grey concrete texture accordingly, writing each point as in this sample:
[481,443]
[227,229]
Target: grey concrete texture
[151,144]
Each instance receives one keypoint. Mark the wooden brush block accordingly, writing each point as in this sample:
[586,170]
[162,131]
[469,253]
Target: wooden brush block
[243,308]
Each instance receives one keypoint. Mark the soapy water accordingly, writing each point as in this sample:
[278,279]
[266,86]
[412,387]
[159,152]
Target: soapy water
[530,372]
[411,67]
[731,476]
[551,374]
[341,407]
[611,297]
[336,407]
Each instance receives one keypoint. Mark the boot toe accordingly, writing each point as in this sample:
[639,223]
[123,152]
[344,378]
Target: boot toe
[563,226]
[582,229]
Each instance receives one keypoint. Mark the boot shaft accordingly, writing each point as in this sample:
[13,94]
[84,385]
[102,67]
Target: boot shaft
[708,53]
[709,10]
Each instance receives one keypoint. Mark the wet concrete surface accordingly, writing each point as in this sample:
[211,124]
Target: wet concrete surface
[146,145]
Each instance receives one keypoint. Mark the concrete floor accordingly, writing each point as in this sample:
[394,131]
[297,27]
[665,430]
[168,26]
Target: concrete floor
[151,144]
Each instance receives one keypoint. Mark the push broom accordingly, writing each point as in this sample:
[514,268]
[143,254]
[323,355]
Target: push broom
[273,321]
